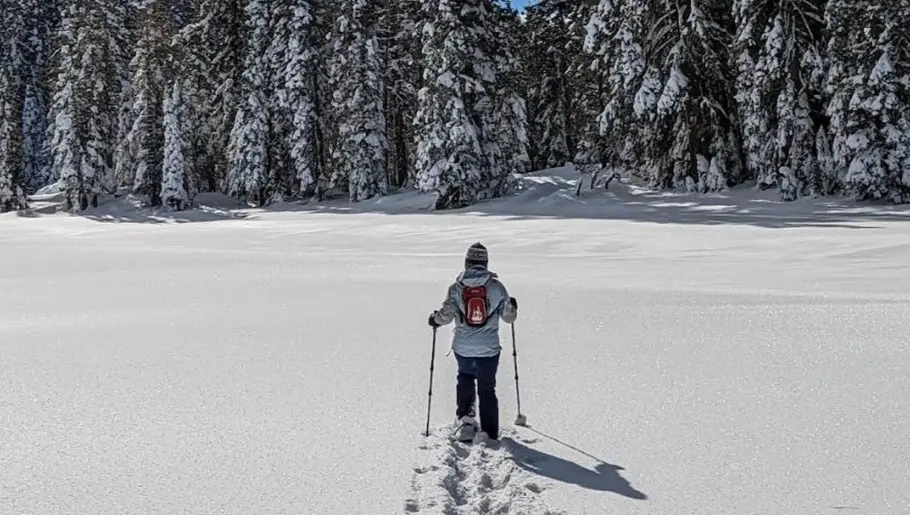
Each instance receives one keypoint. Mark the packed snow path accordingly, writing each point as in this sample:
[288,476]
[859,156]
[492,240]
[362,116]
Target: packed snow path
[677,355]
[498,477]
[482,477]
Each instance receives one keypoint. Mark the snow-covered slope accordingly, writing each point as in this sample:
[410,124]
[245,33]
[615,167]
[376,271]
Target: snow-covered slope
[677,354]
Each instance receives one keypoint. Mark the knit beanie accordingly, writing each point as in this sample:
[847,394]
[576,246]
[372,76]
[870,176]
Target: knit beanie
[476,255]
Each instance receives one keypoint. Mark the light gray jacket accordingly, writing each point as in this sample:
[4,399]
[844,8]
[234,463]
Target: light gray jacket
[476,342]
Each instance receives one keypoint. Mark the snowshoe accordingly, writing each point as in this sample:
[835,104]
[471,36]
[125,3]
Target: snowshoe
[467,431]
[485,440]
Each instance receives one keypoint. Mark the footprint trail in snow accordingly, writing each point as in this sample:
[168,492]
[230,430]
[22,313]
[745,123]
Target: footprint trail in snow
[478,478]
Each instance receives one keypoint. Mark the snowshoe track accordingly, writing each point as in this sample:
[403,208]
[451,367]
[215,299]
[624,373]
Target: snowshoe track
[478,478]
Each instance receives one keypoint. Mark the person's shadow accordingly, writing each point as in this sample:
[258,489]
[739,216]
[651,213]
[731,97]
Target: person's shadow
[605,476]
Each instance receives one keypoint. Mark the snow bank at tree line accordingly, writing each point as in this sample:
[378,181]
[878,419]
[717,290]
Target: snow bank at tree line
[123,207]
[550,193]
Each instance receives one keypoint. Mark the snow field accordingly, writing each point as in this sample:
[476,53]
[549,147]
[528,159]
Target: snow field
[677,354]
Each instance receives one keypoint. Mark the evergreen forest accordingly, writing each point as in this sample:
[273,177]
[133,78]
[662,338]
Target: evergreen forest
[281,100]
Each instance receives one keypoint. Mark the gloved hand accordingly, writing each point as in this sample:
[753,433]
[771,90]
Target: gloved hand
[514,302]
[432,319]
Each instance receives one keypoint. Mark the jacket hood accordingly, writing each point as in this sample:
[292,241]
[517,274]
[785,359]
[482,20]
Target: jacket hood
[475,276]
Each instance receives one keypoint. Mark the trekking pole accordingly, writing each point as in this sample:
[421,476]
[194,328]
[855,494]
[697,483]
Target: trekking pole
[430,396]
[520,420]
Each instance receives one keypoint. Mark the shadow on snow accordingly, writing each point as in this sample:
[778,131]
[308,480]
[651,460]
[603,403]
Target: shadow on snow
[604,477]
[554,197]
[548,194]
[208,208]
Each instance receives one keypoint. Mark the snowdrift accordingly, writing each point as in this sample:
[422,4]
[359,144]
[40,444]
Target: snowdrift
[553,193]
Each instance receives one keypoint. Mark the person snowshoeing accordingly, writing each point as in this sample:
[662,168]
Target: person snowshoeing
[476,301]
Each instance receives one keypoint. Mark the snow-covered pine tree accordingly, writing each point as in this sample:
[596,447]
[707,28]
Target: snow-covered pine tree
[120,25]
[12,70]
[38,16]
[279,183]
[332,180]
[126,33]
[672,67]
[617,35]
[324,17]
[869,109]
[292,57]
[64,111]
[454,154]
[175,189]
[215,43]
[247,177]
[587,90]
[192,125]
[89,67]
[778,56]
[13,37]
[125,150]
[509,117]
[357,82]
[549,98]
[400,38]
[151,69]
[12,196]
[189,64]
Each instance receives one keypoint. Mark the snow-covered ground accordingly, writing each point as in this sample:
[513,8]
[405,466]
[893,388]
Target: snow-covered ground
[677,354]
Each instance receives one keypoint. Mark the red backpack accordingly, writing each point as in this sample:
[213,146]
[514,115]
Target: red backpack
[475,305]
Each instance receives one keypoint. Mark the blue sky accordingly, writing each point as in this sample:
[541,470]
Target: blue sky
[520,4]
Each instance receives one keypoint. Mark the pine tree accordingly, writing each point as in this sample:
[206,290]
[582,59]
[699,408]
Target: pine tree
[12,70]
[125,32]
[121,25]
[89,70]
[13,43]
[66,114]
[175,189]
[456,154]
[587,89]
[215,44]
[616,36]
[357,83]
[247,177]
[325,13]
[126,150]
[12,196]
[509,117]
[548,62]
[38,17]
[778,54]
[695,142]
[669,108]
[152,66]
[293,56]
[400,39]
[869,84]
[189,64]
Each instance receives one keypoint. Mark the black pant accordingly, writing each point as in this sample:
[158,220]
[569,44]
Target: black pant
[483,372]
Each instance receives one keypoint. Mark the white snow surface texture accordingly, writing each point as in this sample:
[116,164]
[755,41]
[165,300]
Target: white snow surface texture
[677,354]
